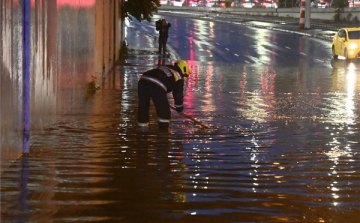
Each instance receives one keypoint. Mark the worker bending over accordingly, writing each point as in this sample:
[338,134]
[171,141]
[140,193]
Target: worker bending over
[155,84]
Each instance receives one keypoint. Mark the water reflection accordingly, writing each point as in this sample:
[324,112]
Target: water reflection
[341,150]
[24,187]
[267,53]
[277,165]
[346,75]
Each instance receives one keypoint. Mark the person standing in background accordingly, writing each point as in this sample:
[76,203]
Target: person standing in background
[163,27]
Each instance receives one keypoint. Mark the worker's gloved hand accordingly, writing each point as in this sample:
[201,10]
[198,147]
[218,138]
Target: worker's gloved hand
[179,109]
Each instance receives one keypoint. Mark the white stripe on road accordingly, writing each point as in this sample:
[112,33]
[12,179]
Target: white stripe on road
[227,49]
[236,54]
[303,53]
[287,47]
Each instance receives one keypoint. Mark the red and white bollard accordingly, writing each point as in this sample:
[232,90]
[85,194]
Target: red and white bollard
[302,14]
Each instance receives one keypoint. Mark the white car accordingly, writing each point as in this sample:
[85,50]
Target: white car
[247,4]
[209,3]
[178,3]
[163,2]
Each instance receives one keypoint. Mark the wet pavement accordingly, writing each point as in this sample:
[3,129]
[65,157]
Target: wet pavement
[276,150]
[318,28]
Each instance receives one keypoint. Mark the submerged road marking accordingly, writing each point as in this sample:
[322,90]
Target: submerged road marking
[227,49]
[236,54]
[303,53]
[287,47]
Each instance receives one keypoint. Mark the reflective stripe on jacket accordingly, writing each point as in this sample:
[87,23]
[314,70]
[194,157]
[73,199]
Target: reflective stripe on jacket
[169,78]
[155,81]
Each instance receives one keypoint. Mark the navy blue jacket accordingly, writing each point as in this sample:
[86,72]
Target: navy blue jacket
[171,79]
[163,30]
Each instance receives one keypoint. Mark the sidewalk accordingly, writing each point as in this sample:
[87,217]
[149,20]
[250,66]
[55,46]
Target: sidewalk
[143,50]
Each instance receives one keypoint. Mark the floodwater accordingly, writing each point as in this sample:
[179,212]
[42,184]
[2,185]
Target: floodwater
[283,146]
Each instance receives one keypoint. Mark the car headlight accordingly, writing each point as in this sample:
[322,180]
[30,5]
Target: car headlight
[353,46]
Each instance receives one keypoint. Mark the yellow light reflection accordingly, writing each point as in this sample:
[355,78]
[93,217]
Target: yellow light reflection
[345,107]
[344,80]
[212,30]
[350,105]
[334,155]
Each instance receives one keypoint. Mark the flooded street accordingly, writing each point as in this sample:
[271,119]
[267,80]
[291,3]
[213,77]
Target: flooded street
[283,146]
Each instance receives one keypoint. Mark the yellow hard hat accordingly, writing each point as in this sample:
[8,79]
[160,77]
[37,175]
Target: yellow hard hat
[184,67]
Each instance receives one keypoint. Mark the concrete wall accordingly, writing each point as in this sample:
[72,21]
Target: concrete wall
[108,35]
[71,42]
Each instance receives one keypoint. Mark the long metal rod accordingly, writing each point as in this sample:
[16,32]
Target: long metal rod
[26,74]
[192,118]
[307,14]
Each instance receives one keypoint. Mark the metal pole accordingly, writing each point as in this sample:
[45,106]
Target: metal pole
[103,39]
[114,34]
[26,74]
[307,14]
[192,118]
